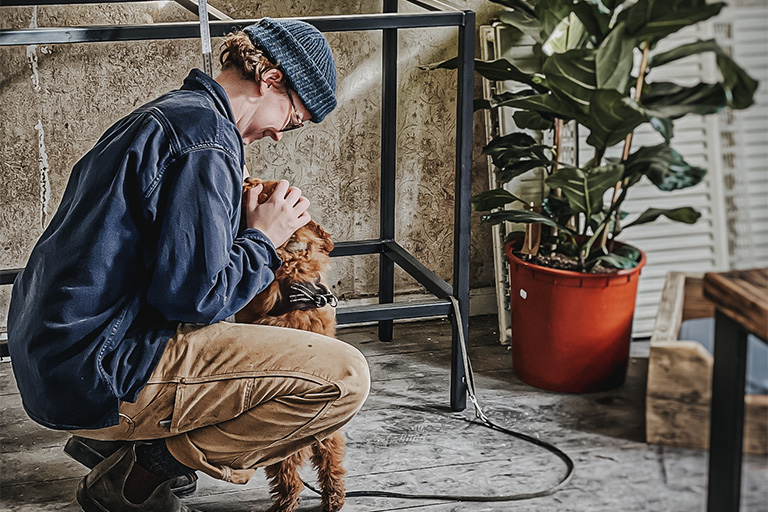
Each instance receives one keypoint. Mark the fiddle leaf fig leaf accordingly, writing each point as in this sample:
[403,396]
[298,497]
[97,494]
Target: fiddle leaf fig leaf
[673,101]
[685,214]
[524,217]
[739,86]
[664,166]
[569,34]
[550,13]
[557,208]
[515,154]
[595,17]
[514,235]
[499,70]
[600,218]
[516,4]
[572,77]
[614,260]
[612,116]
[509,142]
[480,104]
[503,99]
[584,189]
[613,61]
[682,51]
[518,168]
[628,252]
[663,126]
[524,21]
[533,120]
[546,104]
[492,199]
[652,20]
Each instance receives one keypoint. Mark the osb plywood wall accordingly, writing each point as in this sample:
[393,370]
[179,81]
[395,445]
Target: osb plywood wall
[56,101]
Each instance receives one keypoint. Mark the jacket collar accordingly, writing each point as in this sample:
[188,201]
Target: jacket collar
[198,80]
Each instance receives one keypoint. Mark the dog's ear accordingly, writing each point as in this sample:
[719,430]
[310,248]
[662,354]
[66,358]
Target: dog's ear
[249,183]
[268,190]
[326,243]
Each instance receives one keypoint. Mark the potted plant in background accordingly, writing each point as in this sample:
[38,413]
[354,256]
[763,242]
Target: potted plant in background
[573,283]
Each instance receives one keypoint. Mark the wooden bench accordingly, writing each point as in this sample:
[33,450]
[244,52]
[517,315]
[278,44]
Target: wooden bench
[680,375]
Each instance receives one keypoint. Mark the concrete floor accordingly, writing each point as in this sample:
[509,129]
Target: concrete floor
[406,440]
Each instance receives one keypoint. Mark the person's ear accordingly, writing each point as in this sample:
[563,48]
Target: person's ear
[272,77]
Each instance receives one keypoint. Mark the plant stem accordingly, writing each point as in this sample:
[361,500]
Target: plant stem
[558,153]
[628,140]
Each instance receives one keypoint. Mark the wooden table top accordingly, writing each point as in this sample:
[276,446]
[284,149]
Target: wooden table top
[742,295]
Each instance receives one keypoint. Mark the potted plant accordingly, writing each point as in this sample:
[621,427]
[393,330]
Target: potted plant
[573,284]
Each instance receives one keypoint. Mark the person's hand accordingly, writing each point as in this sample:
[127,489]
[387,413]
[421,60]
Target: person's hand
[280,216]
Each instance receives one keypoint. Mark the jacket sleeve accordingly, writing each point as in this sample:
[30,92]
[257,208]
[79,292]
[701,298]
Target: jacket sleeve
[202,272]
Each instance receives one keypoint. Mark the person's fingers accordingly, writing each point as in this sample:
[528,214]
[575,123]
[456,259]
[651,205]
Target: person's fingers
[293,195]
[280,190]
[253,196]
[302,205]
[304,219]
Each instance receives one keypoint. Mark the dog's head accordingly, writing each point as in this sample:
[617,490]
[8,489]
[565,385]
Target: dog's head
[306,254]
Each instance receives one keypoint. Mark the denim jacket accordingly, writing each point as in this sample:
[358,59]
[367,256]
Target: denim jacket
[145,238]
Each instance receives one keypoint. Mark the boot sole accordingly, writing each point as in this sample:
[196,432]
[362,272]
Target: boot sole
[89,458]
[85,501]
[89,505]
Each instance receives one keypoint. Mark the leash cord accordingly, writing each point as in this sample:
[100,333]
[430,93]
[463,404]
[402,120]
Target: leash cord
[485,422]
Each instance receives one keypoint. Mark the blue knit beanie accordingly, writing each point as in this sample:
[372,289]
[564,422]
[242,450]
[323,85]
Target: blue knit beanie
[304,56]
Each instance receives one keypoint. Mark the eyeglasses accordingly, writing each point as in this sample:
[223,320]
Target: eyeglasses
[294,118]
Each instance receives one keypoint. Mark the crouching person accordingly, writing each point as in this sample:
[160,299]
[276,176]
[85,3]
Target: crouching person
[116,327]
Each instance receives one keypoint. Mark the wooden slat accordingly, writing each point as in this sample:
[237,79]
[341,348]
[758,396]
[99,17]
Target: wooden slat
[742,295]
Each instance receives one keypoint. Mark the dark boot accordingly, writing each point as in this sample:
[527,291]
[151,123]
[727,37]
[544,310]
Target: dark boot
[90,452]
[102,489]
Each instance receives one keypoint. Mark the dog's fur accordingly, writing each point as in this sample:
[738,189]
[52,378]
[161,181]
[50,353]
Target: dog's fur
[305,257]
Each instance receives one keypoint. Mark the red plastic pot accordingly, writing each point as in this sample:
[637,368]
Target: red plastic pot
[571,331]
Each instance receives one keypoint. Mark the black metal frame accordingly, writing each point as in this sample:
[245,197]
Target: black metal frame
[726,434]
[391,253]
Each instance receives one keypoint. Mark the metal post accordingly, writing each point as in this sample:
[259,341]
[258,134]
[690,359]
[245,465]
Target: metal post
[726,432]
[388,166]
[462,209]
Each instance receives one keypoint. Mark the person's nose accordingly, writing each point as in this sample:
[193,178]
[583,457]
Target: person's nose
[276,136]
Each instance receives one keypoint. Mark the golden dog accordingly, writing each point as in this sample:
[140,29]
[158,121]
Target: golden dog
[297,298]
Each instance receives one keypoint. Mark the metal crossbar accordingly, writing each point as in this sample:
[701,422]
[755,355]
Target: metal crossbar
[390,253]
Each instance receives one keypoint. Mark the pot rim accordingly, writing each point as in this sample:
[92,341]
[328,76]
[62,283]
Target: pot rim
[573,273]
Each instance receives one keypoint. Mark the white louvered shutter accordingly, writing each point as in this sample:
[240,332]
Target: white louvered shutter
[743,32]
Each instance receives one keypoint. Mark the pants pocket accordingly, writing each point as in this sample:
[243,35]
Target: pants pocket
[200,404]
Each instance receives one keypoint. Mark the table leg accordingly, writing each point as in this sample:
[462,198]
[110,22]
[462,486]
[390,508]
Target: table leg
[727,415]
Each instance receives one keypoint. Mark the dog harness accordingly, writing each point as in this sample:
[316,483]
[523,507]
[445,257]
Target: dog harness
[303,296]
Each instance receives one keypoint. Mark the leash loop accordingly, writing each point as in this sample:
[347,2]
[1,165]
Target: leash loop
[469,379]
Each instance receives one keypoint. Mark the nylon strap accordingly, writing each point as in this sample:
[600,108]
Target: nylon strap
[484,421]
[205,36]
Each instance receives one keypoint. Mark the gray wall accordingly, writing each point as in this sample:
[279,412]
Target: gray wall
[56,101]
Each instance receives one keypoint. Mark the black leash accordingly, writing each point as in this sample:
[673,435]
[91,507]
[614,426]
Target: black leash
[485,422]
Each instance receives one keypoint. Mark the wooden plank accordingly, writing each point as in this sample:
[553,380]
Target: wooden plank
[742,295]
[670,312]
[696,305]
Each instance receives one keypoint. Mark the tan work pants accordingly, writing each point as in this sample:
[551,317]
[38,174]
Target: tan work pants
[229,398]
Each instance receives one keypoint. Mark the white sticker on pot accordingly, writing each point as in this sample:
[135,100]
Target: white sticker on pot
[523,293]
